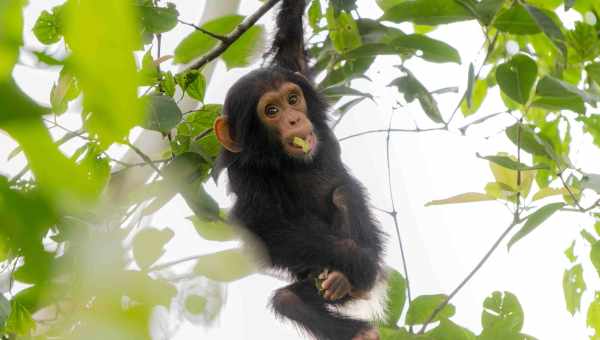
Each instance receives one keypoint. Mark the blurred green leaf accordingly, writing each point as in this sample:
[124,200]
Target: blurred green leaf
[549,86]
[387,4]
[468,197]
[225,266]
[163,113]
[4,310]
[158,19]
[584,40]
[423,306]
[16,106]
[547,192]
[11,26]
[534,220]
[195,304]
[488,9]
[412,89]
[143,289]
[19,321]
[148,245]
[593,71]
[396,298]
[427,12]
[64,91]
[595,256]
[105,66]
[573,288]
[502,310]
[516,77]
[591,125]
[213,230]
[167,83]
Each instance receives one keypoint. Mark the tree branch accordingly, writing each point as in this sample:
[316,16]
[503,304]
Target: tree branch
[368,132]
[233,36]
[200,29]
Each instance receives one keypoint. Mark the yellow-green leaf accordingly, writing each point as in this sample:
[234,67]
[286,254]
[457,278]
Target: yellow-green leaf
[226,266]
[463,198]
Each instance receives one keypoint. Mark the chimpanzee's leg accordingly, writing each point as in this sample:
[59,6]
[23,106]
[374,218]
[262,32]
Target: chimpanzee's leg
[301,303]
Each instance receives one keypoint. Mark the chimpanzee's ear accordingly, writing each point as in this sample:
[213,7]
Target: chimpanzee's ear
[221,128]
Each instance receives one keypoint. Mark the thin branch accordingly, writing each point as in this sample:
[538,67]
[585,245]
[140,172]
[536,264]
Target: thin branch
[173,263]
[233,36]
[368,132]
[463,129]
[566,186]
[394,213]
[145,157]
[591,207]
[490,49]
[481,262]
[209,33]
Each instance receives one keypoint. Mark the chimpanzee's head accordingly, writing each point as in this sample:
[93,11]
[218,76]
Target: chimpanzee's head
[272,116]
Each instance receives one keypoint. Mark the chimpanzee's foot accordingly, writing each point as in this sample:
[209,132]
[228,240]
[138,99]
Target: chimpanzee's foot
[367,334]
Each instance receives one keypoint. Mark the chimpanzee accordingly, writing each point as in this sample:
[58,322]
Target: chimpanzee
[293,192]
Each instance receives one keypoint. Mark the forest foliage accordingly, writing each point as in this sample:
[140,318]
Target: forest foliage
[71,241]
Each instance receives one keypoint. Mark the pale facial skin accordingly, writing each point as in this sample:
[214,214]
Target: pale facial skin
[284,110]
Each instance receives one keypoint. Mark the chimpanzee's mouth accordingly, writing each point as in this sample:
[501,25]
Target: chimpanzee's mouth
[302,145]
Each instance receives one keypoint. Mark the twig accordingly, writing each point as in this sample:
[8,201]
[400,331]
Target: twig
[200,29]
[233,36]
[394,213]
[417,130]
[463,129]
[173,263]
[145,157]
[575,200]
[481,262]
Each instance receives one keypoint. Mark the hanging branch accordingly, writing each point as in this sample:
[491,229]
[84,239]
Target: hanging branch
[233,36]
[394,213]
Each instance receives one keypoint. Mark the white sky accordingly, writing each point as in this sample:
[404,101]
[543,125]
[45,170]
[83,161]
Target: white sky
[442,243]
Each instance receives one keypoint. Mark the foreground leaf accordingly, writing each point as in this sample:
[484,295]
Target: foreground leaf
[516,77]
[502,310]
[423,306]
[225,266]
[396,298]
[428,12]
[148,245]
[213,230]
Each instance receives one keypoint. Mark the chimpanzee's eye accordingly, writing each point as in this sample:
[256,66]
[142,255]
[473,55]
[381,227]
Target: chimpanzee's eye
[271,111]
[293,99]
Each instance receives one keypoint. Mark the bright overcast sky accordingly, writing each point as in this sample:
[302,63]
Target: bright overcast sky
[442,243]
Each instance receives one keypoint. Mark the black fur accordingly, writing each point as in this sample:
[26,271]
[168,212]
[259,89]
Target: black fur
[288,204]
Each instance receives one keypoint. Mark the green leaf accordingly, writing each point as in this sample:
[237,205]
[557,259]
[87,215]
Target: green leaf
[412,89]
[584,40]
[549,86]
[431,49]
[343,31]
[573,288]
[527,139]
[423,306]
[549,27]
[225,266]
[462,198]
[509,163]
[148,74]
[163,113]
[167,83]
[516,20]
[448,330]
[502,310]
[47,28]
[396,298]
[148,245]
[487,10]
[427,12]
[213,230]
[158,19]
[387,4]
[66,90]
[595,256]
[547,192]
[570,252]
[315,13]
[593,71]
[477,97]
[19,321]
[196,86]
[516,77]
[197,43]
[104,65]
[336,92]
[593,314]
[534,220]
[591,125]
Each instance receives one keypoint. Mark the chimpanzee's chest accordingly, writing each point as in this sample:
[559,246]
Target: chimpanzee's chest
[312,193]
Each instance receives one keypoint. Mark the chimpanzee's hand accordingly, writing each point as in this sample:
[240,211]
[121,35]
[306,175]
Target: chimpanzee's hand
[335,285]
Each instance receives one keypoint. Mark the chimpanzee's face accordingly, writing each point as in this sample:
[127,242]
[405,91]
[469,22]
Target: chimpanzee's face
[284,112]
